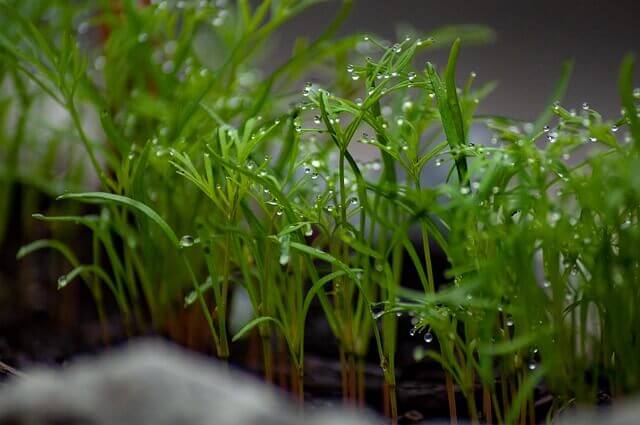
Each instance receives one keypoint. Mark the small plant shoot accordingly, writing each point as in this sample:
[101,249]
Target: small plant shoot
[351,186]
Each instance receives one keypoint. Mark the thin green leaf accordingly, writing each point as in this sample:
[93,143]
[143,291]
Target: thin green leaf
[112,199]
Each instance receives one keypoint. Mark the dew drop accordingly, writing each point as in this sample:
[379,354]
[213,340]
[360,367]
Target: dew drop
[411,76]
[186,241]
[308,230]
[428,337]
[509,321]
[62,281]
[377,310]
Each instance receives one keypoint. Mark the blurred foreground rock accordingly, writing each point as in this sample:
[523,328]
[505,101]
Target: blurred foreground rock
[623,413]
[151,383]
[156,383]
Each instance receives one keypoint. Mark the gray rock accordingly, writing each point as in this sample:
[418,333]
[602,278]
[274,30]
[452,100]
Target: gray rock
[621,413]
[153,383]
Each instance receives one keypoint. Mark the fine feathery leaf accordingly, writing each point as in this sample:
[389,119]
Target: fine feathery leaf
[113,199]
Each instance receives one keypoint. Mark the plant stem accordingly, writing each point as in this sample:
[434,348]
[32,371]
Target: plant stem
[385,399]
[343,375]
[266,355]
[532,411]
[361,382]
[297,382]
[353,384]
[473,410]
[203,303]
[451,396]
[223,351]
[87,144]
[486,404]
[282,364]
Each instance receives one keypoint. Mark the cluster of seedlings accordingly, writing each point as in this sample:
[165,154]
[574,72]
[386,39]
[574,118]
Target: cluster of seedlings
[215,176]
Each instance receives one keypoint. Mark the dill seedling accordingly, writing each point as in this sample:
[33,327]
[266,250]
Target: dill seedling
[209,176]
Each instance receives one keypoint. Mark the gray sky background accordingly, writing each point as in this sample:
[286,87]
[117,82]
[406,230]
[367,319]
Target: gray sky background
[533,39]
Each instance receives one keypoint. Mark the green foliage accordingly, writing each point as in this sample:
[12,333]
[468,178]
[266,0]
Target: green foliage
[187,135]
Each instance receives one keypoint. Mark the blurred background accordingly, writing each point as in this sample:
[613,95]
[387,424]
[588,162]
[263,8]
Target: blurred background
[532,39]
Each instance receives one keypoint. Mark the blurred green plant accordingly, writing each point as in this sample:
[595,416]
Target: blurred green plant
[214,175]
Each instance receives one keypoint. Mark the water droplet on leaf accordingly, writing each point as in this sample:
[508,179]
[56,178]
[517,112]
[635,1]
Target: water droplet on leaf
[509,321]
[62,281]
[187,241]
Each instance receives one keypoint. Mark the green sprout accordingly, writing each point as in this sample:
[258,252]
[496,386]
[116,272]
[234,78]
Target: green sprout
[210,176]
